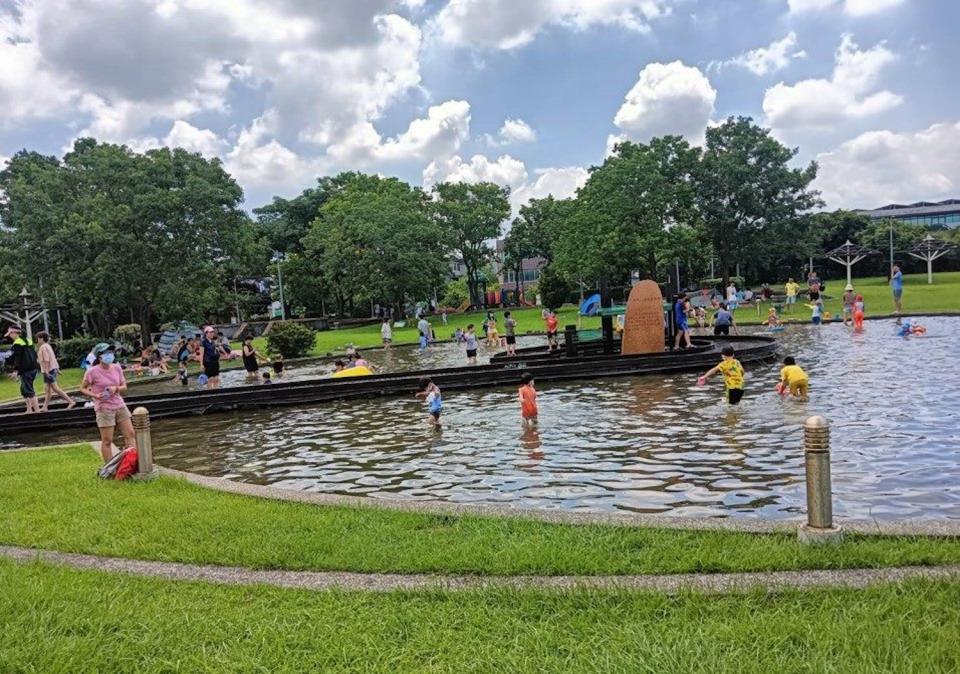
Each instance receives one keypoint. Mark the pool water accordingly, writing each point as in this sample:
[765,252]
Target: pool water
[653,444]
[656,444]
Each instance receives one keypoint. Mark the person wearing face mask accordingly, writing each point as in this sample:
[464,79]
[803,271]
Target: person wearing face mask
[103,383]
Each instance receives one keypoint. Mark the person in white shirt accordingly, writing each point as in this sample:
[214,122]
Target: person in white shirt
[386,333]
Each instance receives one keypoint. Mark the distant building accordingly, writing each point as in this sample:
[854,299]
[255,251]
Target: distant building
[529,270]
[927,213]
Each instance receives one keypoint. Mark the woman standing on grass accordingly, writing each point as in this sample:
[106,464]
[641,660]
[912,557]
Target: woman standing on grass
[50,369]
[103,383]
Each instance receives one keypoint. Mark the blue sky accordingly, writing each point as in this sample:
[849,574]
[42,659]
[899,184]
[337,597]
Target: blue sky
[527,93]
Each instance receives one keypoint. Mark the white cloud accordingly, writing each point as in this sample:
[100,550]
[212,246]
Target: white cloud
[512,131]
[505,170]
[668,98]
[184,134]
[115,68]
[851,7]
[880,167]
[848,94]
[508,24]
[439,134]
[769,59]
[260,161]
[509,172]
[561,183]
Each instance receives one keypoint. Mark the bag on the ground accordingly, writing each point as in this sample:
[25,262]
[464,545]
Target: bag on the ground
[109,469]
[121,465]
[129,460]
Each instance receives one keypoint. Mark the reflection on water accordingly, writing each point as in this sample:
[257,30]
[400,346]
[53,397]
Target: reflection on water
[646,444]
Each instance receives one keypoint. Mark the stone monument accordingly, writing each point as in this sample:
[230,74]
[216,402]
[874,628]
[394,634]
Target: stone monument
[643,323]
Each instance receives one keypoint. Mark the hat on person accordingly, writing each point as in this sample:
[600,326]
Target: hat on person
[14,328]
[848,287]
[101,349]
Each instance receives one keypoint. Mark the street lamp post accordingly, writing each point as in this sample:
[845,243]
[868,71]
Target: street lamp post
[278,257]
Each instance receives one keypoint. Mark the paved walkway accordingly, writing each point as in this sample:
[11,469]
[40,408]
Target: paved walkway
[716,583]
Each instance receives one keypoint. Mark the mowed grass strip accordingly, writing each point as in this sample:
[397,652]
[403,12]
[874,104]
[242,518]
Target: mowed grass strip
[61,620]
[51,499]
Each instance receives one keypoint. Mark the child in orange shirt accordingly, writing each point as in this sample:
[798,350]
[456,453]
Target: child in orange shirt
[528,401]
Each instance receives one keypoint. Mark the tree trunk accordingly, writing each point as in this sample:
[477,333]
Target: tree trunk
[146,316]
[472,290]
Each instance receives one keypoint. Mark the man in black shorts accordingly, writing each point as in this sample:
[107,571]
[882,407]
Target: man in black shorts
[210,358]
[510,326]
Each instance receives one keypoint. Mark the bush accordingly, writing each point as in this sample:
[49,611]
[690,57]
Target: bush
[290,339]
[554,291]
[127,333]
[73,350]
[455,293]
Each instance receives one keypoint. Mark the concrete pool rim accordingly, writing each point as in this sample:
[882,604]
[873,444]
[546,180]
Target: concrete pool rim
[913,527]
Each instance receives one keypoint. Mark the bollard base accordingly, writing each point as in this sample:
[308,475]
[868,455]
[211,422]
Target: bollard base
[147,477]
[808,535]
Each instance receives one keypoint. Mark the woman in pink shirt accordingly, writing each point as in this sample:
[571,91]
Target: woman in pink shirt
[104,382]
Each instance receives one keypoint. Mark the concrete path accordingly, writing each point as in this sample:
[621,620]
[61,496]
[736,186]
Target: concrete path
[716,583]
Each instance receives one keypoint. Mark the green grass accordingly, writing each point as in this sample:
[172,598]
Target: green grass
[50,499]
[60,620]
[918,297]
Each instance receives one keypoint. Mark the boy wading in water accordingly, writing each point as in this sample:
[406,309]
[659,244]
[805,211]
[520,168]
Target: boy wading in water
[528,401]
[732,372]
[430,394]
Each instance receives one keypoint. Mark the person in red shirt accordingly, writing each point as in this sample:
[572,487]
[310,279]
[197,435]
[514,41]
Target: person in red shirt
[528,401]
[551,319]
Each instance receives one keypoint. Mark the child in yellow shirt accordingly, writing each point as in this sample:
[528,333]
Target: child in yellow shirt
[793,379]
[732,372]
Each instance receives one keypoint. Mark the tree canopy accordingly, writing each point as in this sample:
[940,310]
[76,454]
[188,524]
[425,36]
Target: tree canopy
[469,216]
[122,236]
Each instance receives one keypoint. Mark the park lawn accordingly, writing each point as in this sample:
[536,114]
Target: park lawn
[51,499]
[918,297]
[69,621]
[528,320]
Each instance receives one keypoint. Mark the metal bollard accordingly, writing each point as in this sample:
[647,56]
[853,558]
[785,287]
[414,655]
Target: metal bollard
[819,527]
[141,429]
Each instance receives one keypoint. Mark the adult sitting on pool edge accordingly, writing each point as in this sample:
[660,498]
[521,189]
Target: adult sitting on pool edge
[103,382]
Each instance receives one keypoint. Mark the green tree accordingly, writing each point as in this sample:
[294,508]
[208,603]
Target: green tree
[375,241]
[284,222]
[126,236]
[626,211]
[469,216]
[753,204]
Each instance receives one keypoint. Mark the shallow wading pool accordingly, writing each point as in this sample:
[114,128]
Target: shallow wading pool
[655,444]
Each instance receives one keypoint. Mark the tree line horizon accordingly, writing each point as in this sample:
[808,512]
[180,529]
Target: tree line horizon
[120,237]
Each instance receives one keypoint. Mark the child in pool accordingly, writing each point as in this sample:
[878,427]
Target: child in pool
[182,373]
[266,377]
[733,375]
[793,380]
[430,393]
[528,401]
[773,321]
[278,365]
[858,313]
[423,341]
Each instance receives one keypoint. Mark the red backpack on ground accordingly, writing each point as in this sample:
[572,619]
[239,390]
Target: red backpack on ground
[129,460]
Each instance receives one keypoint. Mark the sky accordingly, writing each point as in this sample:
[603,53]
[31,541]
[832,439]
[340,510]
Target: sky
[526,93]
